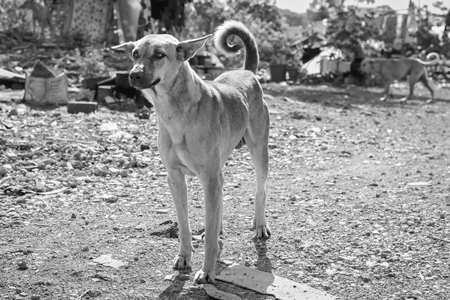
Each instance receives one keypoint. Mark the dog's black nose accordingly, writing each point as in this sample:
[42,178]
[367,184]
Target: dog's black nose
[136,75]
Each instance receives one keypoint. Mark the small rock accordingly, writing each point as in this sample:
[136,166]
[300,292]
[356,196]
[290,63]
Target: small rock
[107,260]
[73,184]
[140,227]
[79,173]
[3,171]
[73,216]
[98,172]
[21,201]
[347,258]
[370,263]
[104,276]
[183,277]
[114,170]
[13,112]
[170,277]
[326,286]
[94,294]
[109,127]
[109,198]
[145,147]
[289,261]
[35,297]
[85,249]
[22,265]
[144,115]
[76,273]
[226,262]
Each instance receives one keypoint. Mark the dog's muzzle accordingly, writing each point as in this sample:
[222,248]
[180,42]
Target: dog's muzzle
[138,81]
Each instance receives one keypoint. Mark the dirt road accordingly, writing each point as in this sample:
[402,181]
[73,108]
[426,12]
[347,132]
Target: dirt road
[359,201]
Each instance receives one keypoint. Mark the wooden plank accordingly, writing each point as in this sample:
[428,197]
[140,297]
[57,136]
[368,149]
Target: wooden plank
[269,284]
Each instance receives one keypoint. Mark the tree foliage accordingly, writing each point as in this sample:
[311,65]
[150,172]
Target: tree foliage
[12,18]
[346,28]
[295,19]
[321,9]
[427,40]
[262,17]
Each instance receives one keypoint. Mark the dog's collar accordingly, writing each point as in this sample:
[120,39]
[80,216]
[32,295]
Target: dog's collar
[155,83]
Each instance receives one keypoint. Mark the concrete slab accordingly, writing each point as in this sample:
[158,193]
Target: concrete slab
[214,293]
[269,284]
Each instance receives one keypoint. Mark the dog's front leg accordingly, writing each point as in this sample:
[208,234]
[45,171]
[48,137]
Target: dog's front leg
[178,189]
[212,186]
[386,91]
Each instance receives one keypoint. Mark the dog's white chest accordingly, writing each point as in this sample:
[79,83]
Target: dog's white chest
[149,95]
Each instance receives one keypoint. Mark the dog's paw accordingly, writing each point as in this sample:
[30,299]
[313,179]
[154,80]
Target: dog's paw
[383,98]
[261,232]
[204,277]
[182,262]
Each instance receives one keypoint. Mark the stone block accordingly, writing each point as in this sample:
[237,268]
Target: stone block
[74,107]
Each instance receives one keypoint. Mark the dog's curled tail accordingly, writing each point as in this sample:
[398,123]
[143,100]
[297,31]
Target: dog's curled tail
[432,58]
[238,29]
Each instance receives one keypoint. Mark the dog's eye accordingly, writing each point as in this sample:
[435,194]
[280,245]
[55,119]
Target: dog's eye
[135,55]
[159,55]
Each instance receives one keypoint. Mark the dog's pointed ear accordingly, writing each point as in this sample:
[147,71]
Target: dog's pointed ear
[187,49]
[127,47]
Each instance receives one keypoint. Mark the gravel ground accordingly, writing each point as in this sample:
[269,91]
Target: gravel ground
[359,201]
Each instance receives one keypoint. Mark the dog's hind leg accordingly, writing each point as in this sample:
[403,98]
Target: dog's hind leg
[178,189]
[256,138]
[412,81]
[424,80]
